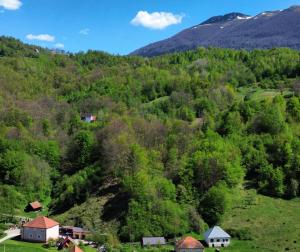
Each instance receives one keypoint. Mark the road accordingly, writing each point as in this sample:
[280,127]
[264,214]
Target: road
[11,233]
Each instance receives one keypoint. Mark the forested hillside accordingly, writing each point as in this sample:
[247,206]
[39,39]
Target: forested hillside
[174,135]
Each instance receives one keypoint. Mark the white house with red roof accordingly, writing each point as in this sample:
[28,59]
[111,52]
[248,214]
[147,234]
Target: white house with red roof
[189,244]
[41,229]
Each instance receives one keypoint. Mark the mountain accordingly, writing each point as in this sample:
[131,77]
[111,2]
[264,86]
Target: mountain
[235,30]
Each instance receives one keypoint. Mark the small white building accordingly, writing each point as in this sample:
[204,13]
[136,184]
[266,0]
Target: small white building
[216,237]
[88,117]
[189,244]
[41,229]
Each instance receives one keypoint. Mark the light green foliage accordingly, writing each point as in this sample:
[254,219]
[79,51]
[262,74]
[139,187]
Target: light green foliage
[173,134]
[216,160]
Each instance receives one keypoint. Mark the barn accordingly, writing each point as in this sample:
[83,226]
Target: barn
[33,206]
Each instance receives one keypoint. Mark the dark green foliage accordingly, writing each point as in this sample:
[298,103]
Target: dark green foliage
[214,204]
[241,234]
[270,121]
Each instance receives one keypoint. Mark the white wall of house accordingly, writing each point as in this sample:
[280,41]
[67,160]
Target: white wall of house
[218,242]
[52,233]
[39,234]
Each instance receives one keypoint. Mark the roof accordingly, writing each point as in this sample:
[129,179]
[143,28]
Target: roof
[189,243]
[216,232]
[75,249]
[35,205]
[154,241]
[41,222]
[75,229]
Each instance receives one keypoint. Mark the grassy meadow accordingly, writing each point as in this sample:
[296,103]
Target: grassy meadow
[18,246]
[272,224]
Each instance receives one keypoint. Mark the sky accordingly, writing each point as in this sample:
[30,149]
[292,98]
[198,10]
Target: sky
[114,26]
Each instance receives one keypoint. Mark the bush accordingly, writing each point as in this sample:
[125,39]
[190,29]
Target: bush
[240,234]
[2,226]
[51,243]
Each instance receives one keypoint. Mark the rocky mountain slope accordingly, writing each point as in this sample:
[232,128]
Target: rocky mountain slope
[235,30]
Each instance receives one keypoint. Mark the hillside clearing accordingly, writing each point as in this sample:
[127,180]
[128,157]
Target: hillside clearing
[274,225]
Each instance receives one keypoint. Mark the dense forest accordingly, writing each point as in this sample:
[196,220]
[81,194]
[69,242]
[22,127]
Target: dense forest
[174,135]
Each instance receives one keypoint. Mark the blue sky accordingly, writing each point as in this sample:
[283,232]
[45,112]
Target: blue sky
[115,26]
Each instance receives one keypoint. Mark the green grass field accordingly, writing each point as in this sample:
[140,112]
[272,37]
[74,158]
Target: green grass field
[257,94]
[18,246]
[273,224]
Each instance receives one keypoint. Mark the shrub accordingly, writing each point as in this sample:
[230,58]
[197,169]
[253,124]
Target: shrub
[240,234]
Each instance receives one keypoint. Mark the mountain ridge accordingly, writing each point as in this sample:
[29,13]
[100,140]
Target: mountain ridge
[235,30]
[226,17]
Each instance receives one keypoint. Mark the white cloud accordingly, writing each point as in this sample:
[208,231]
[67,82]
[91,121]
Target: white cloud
[85,31]
[10,4]
[156,20]
[41,37]
[59,46]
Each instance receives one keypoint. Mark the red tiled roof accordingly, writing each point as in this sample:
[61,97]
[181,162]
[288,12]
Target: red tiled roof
[35,205]
[75,249]
[189,243]
[41,222]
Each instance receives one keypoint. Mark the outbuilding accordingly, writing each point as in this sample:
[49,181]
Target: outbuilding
[33,206]
[216,237]
[41,229]
[74,232]
[153,241]
[189,244]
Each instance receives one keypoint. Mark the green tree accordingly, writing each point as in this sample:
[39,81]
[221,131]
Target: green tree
[214,204]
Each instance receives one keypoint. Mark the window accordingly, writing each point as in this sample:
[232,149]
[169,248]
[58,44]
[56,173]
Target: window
[39,236]
[30,235]
[218,240]
[211,240]
[227,240]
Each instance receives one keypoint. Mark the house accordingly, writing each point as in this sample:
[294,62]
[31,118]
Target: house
[41,229]
[189,244]
[216,237]
[74,232]
[33,207]
[86,117]
[153,241]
